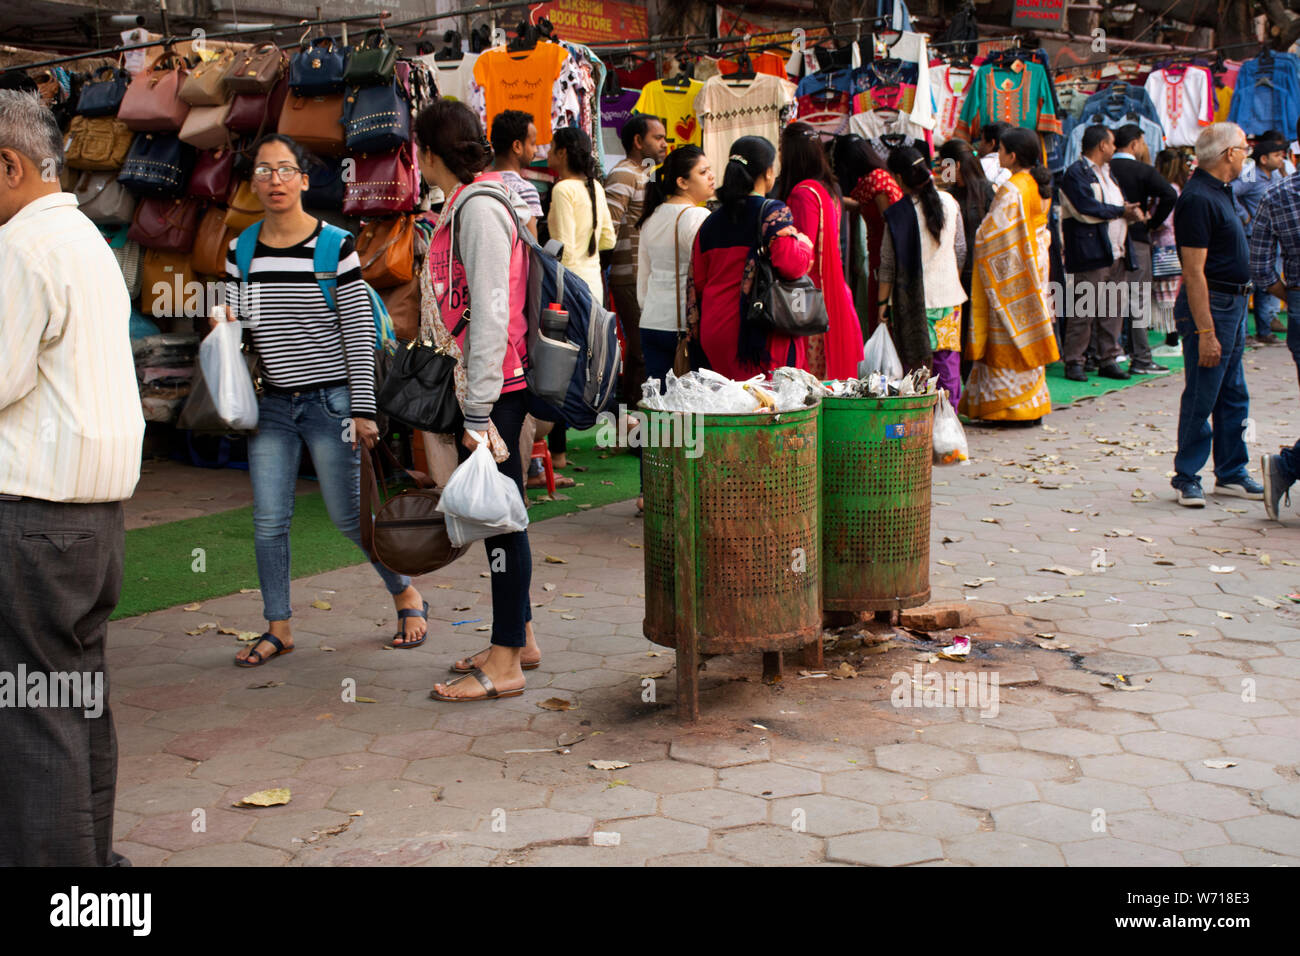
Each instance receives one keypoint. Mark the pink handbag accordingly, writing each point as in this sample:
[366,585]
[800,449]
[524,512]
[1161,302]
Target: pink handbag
[382,184]
[153,103]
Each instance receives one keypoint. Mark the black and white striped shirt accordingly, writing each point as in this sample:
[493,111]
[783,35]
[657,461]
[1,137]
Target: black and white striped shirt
[295,331]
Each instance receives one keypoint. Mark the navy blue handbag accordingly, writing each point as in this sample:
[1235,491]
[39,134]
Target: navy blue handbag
[317,68]
[377,118]
[325,184]
[102,94]
[158,164]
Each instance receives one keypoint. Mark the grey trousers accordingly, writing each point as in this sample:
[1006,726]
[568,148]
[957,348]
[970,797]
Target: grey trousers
[60,578]
[1079,329]
[1138,317]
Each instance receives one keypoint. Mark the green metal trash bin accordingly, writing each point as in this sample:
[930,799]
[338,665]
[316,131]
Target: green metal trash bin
[875,470]
[732,546]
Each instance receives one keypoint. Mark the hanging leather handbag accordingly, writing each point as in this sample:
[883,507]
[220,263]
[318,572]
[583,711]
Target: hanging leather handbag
[102,94]
[324,184]
[245,208]
[211,242]
[386,248]
[315,123]
[403,305]
[420,388]
[255,70]
[206,84]
[104,200]
[407,533]
[158,164]
[382,184]
[205,127]
[254,113]
[165,223]
[376,118]
[164,278]
[153,103]
[213,175]
[317,68]
[371,61]
[792,307]
[682,353]
[99,142]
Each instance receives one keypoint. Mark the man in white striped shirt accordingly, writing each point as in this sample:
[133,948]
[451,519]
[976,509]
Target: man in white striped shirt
[70,441]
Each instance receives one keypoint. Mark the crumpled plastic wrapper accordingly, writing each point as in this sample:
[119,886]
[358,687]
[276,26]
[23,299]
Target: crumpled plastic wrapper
[877,385]
[707,392]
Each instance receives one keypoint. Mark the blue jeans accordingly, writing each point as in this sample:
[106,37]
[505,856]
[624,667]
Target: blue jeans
[319,418]
[1293,326]
[1266,310]
[1218,393]
[658,348]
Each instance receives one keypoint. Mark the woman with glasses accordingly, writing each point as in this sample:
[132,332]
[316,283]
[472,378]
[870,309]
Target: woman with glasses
[318,389]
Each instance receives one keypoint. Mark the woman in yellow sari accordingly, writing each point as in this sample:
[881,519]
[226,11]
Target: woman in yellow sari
[1011,338]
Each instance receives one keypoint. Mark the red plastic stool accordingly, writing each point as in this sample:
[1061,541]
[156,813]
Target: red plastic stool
[540,450]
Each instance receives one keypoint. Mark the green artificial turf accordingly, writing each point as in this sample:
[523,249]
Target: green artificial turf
[1065,392]
[162,568]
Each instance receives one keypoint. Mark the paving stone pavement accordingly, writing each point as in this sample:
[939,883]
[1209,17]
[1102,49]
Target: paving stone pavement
[1062,771]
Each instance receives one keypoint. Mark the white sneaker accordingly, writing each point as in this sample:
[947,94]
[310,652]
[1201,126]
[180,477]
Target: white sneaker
[1191,496]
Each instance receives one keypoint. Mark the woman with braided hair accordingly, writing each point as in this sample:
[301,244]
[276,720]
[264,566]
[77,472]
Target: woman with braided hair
[579,216]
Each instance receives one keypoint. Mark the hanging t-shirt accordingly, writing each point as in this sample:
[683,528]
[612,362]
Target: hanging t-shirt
[768,63]
[675,105]
[885,130]
[827,112]
[639,77]
[1184,101]
[455,78]
[521,80]
[614,114]
[730,110]
[911,48]
[949,85]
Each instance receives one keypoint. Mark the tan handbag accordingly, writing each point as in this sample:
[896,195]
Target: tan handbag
[682,355]
[211,242]
[206,84]
[245,208]
[205,127]
[103,200]
[386,248]
[164,282]
[315,122]
[255,70]
[99,143]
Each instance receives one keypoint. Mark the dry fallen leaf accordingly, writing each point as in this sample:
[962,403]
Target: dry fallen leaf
[266,798]
[321,605]
[608,764]
[552,559]
[1188,633]
[948,564]
[568,617]
[556,703]
[845,671]
[572,594]
[1222,569]
[1039,598]
[1265,560]
[201,628]
[1225,615]
[978,582]
[548,587]
[192,607]
[1219,764]
[1062,569]
[265,684]
[1266,602]
[483,627]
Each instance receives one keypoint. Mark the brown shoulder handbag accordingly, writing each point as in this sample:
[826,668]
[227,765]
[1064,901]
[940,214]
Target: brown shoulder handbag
[315,122]
[245,208]
[407,533]
[206,84]
[211,242]
[169,224]
[97,142]
[255,70]
[386,248]
[153,103]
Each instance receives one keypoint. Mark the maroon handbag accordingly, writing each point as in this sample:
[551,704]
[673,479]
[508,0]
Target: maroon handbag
[167,224]
[153,103]
[213,176]
[382,184]
[255,113]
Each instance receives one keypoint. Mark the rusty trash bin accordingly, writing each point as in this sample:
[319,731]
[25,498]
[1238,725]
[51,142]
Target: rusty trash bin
[732,540]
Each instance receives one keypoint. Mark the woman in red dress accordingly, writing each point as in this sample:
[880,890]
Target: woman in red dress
[808,188]
[873,191]
[723,262]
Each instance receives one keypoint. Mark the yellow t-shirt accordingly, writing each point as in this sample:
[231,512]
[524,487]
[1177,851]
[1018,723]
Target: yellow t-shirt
[1223,102]
[521,81]
[675,105]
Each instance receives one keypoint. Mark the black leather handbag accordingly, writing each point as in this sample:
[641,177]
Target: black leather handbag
[419,389]
[158,164]
[102,94]
[317,68]
[793,307]
[376,118]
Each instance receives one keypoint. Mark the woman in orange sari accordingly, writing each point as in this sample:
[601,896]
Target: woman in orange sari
[1011,337]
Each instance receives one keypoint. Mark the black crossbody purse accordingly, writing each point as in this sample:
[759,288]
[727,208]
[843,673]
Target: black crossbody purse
[793,307]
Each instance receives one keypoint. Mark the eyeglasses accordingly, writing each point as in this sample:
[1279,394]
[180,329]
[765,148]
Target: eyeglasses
[286,174]
[1244,147]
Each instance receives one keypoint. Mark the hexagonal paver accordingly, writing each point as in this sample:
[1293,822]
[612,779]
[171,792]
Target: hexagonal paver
[1201,723]
[487,796]
[1238,856]
[883,848]
[1130,768]
[1250,774]
[525,827]
[1045,821]
[1171,746]
[604,801]
[1171,831]
[984,791]
[714,809]
[1089,794]
[770,780]
[1069,742]
[711,751]
[694,859]
[824,816]
[923,760]
[1113,852]
[1024,765]
[930,817]
[653,834]
[1283,799]
[971,738]
[1002,849]
[1202,800]
[770,846]
[321,742]
[1267,831]
[668,776]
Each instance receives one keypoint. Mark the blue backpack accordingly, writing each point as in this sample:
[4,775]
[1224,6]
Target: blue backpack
[592,329]
[325,264]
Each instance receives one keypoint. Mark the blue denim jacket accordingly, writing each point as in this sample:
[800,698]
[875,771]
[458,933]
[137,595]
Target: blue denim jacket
[1260,106]
[1114,117]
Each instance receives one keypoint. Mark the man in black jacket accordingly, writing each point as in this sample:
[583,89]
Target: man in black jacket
[1141,184]
[1094,224]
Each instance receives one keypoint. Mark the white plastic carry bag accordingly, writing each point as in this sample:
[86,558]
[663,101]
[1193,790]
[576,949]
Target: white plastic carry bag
[949,437]
[879,355]
[227,378]
[479,501]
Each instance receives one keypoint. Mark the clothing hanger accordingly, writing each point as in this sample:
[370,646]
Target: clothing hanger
[680,82]
[744,74]
[452,50]
[612,85]
[525,38]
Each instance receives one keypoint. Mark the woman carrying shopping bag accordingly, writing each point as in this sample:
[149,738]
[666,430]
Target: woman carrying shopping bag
[318,389]
[476,256]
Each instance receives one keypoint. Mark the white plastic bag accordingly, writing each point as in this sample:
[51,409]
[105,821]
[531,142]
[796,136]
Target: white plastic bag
[479,501]
[949,437]
[879,355]
[227,378]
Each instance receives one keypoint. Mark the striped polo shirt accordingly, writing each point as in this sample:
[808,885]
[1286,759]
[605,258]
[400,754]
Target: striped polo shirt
[625,194]
[304,344]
